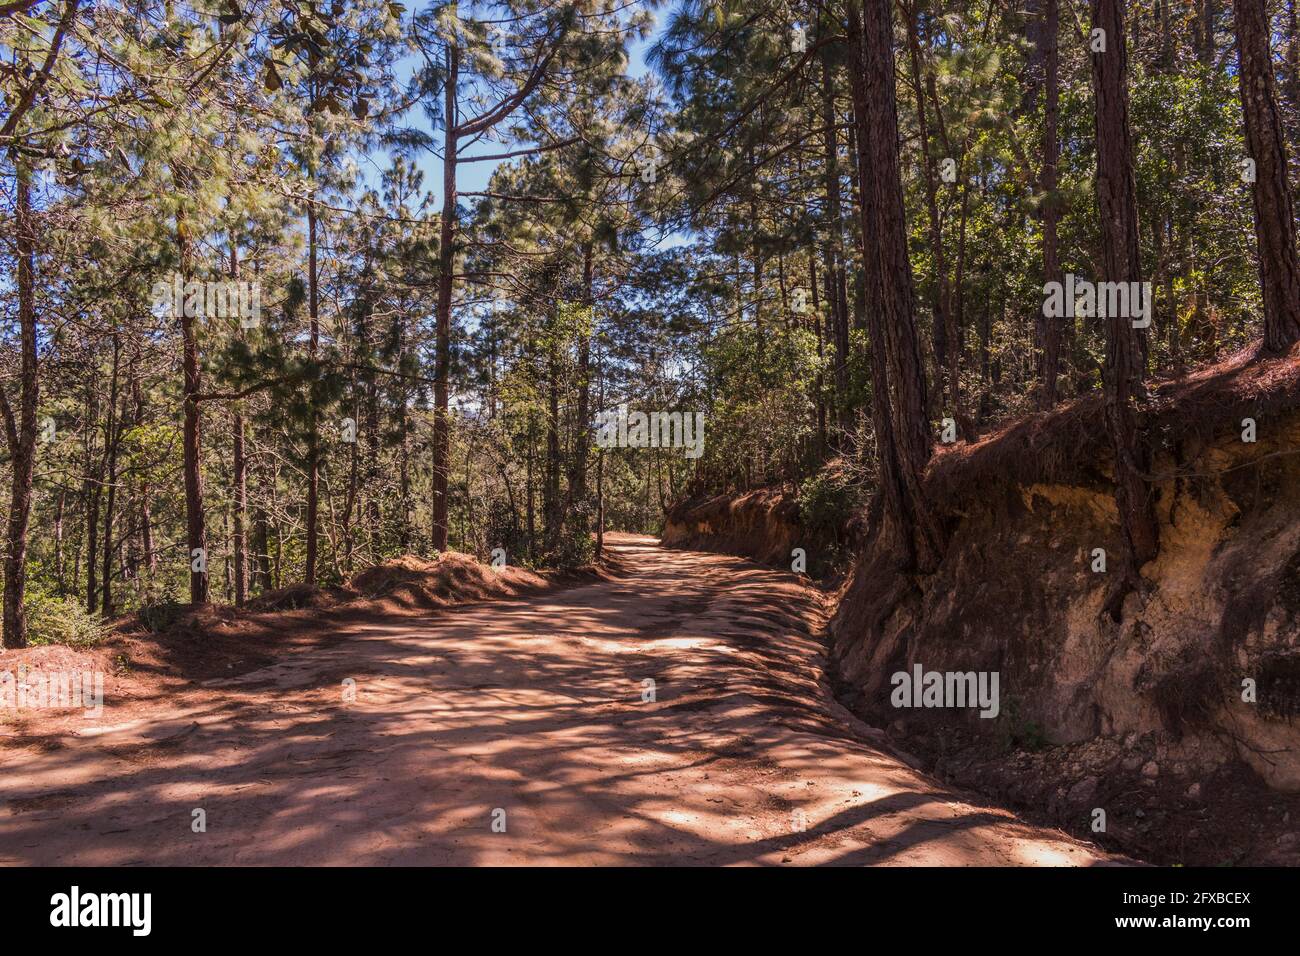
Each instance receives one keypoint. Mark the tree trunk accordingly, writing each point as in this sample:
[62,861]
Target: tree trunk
[551,474]
[112,434]
[20,430]
[404,530]
[819,382]
[93,485]
[833,256]
[261,550]
[1125,353]
[899,394]
[1290,81]
[582,433]
[600,467]
[195,530]
[1279,274]
[942,296]
[755,254]
[600,503]
[148,554]
[442,347]
[374,437]
[239,478]
[1049,336]
[353,493]
[1205,48]
[313,428]
[530,510]
[277,562]
[239,464]
[60,583]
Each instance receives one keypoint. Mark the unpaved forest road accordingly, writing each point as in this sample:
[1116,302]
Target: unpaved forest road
[532,706]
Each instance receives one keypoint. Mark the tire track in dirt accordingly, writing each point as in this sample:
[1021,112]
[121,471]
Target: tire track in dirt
[530,706]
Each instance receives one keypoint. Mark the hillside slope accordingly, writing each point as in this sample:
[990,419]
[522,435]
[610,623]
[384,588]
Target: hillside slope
[1025,510]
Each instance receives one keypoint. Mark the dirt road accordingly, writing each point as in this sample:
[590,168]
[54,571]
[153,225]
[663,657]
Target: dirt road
[534,715]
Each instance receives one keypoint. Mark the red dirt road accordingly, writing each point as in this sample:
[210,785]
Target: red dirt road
[532,707]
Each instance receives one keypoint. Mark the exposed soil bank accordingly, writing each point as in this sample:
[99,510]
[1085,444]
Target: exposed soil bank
[166,650]
[764,525]
[1142,717]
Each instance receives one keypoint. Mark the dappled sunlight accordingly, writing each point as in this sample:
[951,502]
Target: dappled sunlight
[543,709]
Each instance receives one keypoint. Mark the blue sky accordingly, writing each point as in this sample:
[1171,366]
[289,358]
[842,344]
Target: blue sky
[472,177]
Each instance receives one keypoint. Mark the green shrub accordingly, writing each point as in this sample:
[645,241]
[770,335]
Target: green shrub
[160,614]
[56,620]
[577,545]
[826,503]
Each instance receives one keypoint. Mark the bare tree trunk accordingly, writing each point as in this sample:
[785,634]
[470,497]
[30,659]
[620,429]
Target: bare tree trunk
[192,439]
[1279,274]
[1049,328]
[372,511]
[1205,47]
[819,383]
[582,435]
[442,346]
[600,468]
[942,295]
[261,550]
[1049,336]
[239,478]
[93,486]
[352,496]
[20,429]
[600,503]
[551,516]
[404,531]
[902,429]
[1125,351]
[832,251]
[1291,76]
[60,583]
[313,432]
[277,565]
[756,259]
[531,511]
[112,434]
[148,553]
[239,465]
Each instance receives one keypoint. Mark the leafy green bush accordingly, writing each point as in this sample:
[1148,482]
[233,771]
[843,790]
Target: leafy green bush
[503,531]
[827,501]
[56,620]
[577,544]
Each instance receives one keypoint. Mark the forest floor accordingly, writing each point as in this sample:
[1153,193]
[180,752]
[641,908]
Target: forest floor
[536,706]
